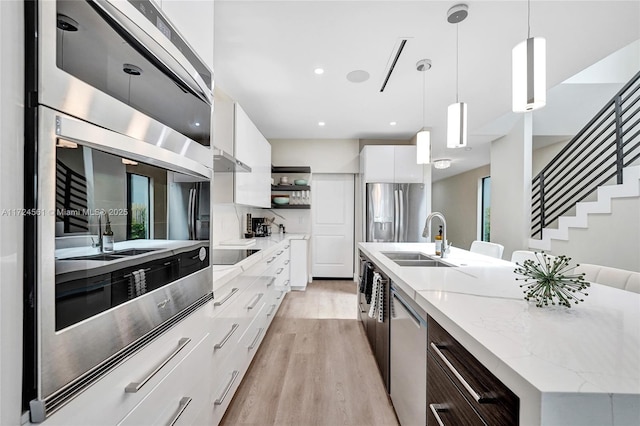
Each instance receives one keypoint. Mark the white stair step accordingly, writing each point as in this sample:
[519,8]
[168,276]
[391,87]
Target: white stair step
[605,194]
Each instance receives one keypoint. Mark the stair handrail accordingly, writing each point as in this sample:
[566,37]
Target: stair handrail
[600,151]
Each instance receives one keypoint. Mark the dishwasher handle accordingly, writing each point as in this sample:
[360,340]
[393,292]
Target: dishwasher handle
[420,322]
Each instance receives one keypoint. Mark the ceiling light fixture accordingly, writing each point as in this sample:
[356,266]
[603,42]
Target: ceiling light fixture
[423,138]
[321,123]
[319,71]
[529,65]
[444,163]
[393,123]
[457,113]
[126,161]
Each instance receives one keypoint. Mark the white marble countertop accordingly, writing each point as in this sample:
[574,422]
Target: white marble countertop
[569,366]
[223,273]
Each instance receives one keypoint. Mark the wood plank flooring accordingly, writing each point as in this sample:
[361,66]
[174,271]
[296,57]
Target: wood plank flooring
[314,367]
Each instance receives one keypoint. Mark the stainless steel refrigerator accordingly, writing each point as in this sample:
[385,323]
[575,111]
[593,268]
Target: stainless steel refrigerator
[396,212]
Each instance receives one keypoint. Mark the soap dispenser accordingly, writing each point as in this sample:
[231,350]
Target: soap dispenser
[107,236]
[438,239]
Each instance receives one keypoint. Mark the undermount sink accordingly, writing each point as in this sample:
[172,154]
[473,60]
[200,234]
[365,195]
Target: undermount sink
[410,258]
[106,257]
[406,255]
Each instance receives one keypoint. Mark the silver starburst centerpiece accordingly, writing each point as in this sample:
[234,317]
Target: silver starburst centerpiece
[550,280]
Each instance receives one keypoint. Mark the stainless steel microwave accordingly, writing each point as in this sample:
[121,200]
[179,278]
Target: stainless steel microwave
[118,167]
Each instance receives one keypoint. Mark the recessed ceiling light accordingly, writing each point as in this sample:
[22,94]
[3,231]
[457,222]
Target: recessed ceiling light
[319,71]
[197,123]
[393,123]
[321,123]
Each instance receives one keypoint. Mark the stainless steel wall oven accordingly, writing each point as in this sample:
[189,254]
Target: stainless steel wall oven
[118,168]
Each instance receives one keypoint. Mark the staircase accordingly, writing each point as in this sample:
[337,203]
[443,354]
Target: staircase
[603,159]
[605,195]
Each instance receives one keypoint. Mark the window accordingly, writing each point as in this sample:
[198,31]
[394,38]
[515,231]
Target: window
[139,206]
[485,209]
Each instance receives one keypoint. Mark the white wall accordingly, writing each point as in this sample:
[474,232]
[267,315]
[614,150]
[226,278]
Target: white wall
[511,187]
[610,240]
[457,198]
[11,197]
[322,155]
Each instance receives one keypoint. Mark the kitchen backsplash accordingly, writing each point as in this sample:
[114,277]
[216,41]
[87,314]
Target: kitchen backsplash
[228,221]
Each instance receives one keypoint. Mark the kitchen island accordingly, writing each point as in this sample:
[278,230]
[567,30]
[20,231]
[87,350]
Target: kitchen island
[577,366]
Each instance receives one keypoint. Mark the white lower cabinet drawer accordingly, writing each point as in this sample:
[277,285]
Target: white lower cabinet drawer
[181,396]
[109,400]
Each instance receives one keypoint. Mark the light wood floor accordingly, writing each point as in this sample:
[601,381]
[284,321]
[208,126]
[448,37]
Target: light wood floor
[314,367]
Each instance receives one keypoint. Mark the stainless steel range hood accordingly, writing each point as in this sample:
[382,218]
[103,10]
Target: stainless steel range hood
[225,162]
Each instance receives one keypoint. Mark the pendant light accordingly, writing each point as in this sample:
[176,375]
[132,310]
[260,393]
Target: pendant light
[457,113]
[529,71]
[423,138]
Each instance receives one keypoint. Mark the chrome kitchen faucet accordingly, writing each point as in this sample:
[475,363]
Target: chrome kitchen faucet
[427,231]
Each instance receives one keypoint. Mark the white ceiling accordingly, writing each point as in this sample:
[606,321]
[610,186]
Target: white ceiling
[266,51]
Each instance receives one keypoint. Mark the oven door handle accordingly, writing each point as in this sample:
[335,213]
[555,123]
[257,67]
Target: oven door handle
[153,44]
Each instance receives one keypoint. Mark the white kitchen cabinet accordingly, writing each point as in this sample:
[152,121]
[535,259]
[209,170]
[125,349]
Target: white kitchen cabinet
[390,164]
[237,135]
[405,167]
[299,261]
[107,402]
[181,396]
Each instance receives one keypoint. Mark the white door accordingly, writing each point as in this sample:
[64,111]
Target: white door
[332,225]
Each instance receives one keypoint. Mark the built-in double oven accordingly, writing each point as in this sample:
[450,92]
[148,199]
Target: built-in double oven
[118,169]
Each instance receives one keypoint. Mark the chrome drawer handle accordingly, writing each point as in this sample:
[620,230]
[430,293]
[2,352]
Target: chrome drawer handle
[279,271]
[234,376]
[281,293]
[134,387]
[184,402]
[286,262]
[234,327]
[255,339]
[273,308]
[271,260]
[434,409]
[255,302]
[279,253]
[286,283]
[286,247]
[461,379]
[271,281]
[224,299]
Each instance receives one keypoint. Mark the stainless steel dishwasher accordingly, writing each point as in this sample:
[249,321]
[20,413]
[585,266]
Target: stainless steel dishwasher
[408,375]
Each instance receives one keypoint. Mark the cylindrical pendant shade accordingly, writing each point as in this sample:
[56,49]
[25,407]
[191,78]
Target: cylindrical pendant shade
[457,125]
[529,74]
[423,147]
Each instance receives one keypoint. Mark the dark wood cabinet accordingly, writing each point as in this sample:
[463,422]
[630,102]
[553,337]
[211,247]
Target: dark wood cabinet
[459,385]
[377,332]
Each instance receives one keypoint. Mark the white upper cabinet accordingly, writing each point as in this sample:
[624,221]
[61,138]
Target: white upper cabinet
[253,149]
[194,20]
[390,164]
[406,169]
[377,163]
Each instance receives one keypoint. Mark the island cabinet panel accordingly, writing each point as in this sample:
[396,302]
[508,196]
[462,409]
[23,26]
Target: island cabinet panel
[494,403]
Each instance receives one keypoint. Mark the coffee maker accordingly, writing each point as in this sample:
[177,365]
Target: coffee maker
[260,227]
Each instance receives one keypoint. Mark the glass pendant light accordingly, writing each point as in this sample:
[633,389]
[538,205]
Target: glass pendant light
[423,138]
[457,113]
[529,71]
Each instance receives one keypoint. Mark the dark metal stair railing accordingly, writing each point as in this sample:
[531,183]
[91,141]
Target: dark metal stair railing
[596,156]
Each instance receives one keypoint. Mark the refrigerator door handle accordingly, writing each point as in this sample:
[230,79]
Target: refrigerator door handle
[396,222]
[402,229]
